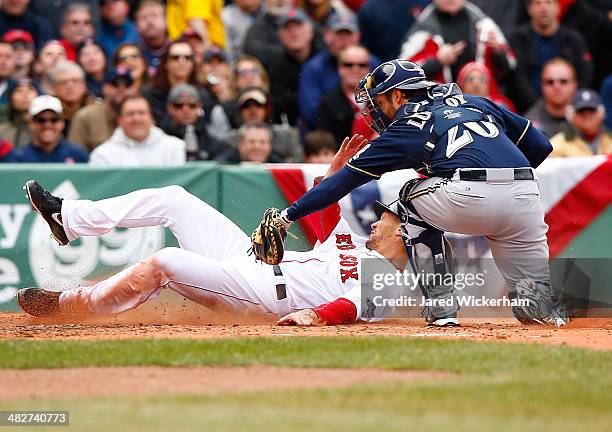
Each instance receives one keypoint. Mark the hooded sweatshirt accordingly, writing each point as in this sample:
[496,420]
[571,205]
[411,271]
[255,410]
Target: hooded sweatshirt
[158,149]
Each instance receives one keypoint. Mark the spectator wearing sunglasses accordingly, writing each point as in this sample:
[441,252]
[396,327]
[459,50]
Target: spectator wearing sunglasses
[319,75]
[537,42]
[48,144]
[558,89]
[55,11]
[338,112]
[186,121]
[249,72]
[177,67]
[131,57]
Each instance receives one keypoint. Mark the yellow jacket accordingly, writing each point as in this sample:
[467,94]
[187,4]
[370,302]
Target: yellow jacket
[569,143]
[179,12]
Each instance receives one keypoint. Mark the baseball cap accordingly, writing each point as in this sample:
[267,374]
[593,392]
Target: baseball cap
[215,52]
[116,75]
[255,94]
[17,35]
[339,22]
[586,99]
[44,103]
[380,208]
[183,90]
[294,15]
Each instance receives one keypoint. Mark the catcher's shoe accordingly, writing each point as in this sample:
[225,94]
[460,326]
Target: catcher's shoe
[449,321]
[543,307]
[39,302]
[49,207]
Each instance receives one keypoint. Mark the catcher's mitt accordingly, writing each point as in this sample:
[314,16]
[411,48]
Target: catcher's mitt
[268,239]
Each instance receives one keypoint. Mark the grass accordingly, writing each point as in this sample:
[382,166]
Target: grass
[500,386]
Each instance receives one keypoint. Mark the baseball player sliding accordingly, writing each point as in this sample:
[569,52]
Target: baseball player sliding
[479,159]
[212,264]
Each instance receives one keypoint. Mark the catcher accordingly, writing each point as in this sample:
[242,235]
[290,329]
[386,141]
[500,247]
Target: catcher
[479,159]
[212,265]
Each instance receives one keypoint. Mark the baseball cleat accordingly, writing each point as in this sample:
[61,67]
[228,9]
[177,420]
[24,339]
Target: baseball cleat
[451,321]
[49,207]
[39,302]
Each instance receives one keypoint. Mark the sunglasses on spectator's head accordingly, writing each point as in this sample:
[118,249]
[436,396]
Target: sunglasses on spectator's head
[350,65]
[188,57]
[43,120]
[181,105]
[563,81]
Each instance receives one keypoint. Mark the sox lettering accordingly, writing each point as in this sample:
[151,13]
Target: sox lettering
[345,242]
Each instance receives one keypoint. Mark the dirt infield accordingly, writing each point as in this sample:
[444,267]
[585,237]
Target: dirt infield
[146,380]
[586,333]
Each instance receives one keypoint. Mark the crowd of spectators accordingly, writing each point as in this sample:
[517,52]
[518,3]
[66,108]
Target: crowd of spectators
[151,82]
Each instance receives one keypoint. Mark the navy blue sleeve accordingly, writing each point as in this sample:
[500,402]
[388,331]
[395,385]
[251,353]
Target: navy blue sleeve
[535,146]
[329,191]
[530,141]
[399,147]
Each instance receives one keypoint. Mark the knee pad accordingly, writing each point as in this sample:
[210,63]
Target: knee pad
[430,256]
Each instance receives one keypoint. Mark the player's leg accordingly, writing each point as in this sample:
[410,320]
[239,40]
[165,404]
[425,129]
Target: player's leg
[520,250]
[197,226]
[200,279]
[430,255]
[509,214]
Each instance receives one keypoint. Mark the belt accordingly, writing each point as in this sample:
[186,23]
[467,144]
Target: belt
[279,279]
[484,175]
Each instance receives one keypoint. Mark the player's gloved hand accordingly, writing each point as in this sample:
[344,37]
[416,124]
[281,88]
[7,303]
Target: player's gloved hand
[305,317]
[268,239]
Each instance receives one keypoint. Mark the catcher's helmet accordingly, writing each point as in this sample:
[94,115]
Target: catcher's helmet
[399,74]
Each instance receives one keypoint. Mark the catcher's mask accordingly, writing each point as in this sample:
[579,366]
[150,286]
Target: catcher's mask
[399,74]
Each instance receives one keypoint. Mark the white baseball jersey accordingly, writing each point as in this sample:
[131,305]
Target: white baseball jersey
[212,264]
[330,270]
